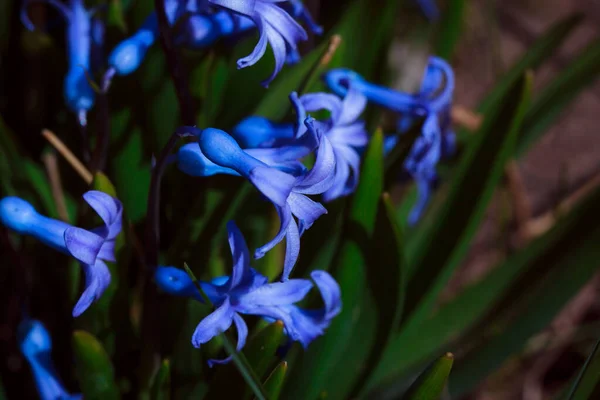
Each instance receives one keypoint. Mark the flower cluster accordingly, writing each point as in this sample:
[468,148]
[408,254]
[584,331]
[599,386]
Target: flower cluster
[291,164]
[246,291]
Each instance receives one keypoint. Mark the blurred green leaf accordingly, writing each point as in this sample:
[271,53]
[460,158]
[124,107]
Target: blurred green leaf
[94,368]
[115,15]
[161,387]
[550,272]
[103,184]
[131,170]
[587,383]
[450,29]
[535,55]
[555,97]
[274,382]
[385,279]
[431,382]
[316,370]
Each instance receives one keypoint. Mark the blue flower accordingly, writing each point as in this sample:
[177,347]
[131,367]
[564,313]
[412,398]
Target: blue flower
[286,191]
[90,247]
[248,292]
[79,95]
[345,133]
[275,171]
[432,104]
[36,345]
[275,26]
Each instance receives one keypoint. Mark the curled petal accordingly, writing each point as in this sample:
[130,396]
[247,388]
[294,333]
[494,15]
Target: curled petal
[82,244]
[240,254]
[349,135]
[214,324]
[292,249]
[321,176]
[313,102]
[352,107]
[242,335]
[259,49]
[97,279]
[285,216]
[306,210]
[330,292]
[108,208]
[245,7]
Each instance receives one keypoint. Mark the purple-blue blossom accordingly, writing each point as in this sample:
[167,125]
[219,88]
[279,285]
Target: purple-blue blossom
[90,247]
[247,292]
[275,27]
[429,8]
[79,95]
[346,133]
[36,346]
[431,104]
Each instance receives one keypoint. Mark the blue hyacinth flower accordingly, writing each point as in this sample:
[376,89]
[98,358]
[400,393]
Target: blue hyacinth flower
[248,292]
[36,346]
[343,130]
[276,172]
[429,9]
[432,104]
[79,95]
[90,247]
[275,26]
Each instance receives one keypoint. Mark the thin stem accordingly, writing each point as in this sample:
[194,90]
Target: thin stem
[184,97]
[64,151]
[152,241]
[58,194]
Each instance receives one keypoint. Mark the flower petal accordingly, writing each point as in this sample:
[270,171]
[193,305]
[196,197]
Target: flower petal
[214,324]
[321,176]
[245,7]
[278,293]
[292,249]
[240,255]
[273,184]
[97,279]
[242,335]
[330,292]
[352,107]
[306,210]
[285,216]
[82,244]
[108,208]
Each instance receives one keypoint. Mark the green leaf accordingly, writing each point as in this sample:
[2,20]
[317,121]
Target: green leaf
[161,387]
[274,382]
[318,365]
[93,367]
[103,184]
[587,383]
[115,15]
[385,278]
[450,28]
[555,97]
[551,271]
[431,382]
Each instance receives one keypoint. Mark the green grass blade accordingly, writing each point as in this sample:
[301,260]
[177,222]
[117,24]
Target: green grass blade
[161,387]
[587,382]
[432,381]
[547,107]
[450,30]
[274,382]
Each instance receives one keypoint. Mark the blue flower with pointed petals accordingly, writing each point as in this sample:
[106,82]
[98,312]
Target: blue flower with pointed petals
[248,292]
[90,247]
[275,26]
[36,345]
[275,172]
[79,95]
[343,130]
[432,104]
